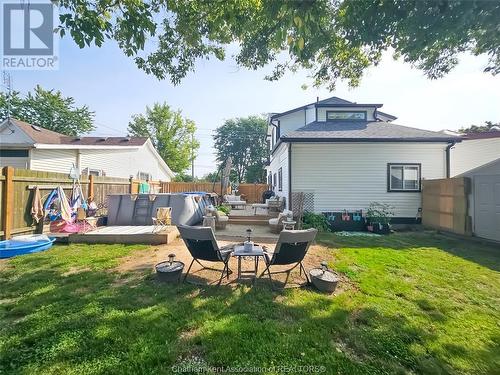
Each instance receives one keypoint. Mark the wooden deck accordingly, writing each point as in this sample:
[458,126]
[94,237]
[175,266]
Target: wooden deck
[138,234]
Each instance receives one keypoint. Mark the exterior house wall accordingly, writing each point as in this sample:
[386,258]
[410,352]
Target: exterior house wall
[16,162]
[310,114]
[113,162]
[280,160]
[123,163]
[470,154]
[370,111]
[53,160]
[352,175]
[292,121]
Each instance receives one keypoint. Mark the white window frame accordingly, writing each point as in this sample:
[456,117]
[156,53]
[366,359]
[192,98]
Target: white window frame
[390,166]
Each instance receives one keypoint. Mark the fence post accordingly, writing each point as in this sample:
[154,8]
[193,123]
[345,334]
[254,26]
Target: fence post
[131,188]
[8,200]
[90,192]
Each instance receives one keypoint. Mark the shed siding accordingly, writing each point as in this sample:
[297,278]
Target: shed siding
[53,160]
[467,155]
[351,175]
[280,160]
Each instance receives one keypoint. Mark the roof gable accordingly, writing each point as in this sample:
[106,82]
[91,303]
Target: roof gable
[335,101]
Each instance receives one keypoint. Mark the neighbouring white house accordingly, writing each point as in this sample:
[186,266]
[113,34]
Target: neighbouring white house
[344,155]
[475,150]
[27,146]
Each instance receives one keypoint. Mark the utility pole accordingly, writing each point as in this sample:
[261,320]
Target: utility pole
[192,156]
[7,81]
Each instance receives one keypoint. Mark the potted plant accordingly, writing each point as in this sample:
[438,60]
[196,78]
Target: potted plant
[378,218]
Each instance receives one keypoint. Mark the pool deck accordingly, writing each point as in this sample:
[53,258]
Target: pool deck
[127,234]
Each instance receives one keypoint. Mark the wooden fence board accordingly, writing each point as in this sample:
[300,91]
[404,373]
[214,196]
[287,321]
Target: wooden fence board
[182,187]
[445,205]
[253,192]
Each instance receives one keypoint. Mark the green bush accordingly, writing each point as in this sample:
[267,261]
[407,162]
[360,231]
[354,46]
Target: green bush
[318,221]
[225,209]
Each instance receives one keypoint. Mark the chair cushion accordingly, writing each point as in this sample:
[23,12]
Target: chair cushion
[223,218]
[274,221]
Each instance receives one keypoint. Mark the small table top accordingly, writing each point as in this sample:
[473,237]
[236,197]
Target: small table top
[239,251]
[291,222]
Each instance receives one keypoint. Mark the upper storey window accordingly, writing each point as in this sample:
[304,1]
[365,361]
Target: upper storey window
[345,115]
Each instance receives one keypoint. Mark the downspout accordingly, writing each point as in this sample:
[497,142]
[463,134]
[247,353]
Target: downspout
[289,176]
[448,148]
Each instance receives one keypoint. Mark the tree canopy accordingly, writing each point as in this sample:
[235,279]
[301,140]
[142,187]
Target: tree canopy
[48,109]
[487,127]
[333,39]
[172,135]
[244,139]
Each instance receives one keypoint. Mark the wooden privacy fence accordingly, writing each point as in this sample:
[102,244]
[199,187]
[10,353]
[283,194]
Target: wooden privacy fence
[16,194]
[180,187]
[253,192]
[445,205]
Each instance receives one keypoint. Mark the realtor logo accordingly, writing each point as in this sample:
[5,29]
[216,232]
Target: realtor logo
[29,42]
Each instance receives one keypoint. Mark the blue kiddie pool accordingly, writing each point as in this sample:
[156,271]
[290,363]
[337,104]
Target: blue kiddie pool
[25,245]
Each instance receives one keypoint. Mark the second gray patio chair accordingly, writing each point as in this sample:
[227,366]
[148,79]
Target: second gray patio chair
[291,249]
[202,245]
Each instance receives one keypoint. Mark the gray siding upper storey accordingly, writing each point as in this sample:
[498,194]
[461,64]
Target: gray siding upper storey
[283,123]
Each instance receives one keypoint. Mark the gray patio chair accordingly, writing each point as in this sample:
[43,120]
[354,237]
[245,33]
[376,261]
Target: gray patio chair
[202,245]
[291,249]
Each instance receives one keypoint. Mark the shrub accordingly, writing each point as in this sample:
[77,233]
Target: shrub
[379,213]
[225,209]
[318,221]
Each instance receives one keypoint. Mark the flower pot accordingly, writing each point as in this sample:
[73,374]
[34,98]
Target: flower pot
[381,228]
[169,271]
[324,281]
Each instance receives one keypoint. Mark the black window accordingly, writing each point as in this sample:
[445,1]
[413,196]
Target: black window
[274,181]
[270,179]
[14,153]
[403,177]
[345,115]
[280,179]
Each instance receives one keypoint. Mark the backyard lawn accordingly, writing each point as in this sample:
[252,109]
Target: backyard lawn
[412,303]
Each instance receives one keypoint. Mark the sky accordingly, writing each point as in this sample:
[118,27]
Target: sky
[112,86]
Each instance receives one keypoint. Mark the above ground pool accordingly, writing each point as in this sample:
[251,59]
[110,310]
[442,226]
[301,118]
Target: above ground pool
[187,208]
[25,245]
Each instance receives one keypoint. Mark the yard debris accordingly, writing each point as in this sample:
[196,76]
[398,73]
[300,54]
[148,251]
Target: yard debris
[356,234]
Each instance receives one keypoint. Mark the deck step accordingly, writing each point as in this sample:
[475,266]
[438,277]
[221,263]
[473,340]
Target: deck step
[248,221]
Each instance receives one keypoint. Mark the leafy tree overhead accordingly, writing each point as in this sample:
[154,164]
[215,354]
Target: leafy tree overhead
[487,127]
[332,39]
[48,109]
[244,139]
[171,134]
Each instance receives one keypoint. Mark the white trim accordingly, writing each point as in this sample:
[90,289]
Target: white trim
[160,160]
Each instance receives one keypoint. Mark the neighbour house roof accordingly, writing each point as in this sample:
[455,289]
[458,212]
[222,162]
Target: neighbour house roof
[359,131]
[482,135]
[333,101]
[41,135]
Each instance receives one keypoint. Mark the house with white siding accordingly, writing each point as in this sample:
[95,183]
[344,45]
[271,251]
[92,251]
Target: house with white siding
[475,150]
[344,155]
[27,146]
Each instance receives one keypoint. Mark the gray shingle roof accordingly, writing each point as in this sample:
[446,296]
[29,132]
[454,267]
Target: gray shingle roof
[45,136]
[363,131]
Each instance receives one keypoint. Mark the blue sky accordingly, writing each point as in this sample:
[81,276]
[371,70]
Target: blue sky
[112,86]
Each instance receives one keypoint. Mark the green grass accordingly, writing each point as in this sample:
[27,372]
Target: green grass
[416,303]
